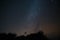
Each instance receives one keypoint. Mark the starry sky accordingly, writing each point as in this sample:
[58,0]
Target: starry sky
[19,16]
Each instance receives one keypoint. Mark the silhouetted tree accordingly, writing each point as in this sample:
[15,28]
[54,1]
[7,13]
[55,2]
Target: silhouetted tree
[33,36]
[3,36]
[11,36]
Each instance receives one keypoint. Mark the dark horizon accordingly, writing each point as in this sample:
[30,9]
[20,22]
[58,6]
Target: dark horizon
[33,36]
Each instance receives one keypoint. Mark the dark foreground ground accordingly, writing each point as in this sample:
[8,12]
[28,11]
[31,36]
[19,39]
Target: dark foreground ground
[33,36]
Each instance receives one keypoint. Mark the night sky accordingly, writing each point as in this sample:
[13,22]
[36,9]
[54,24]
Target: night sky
[19,16]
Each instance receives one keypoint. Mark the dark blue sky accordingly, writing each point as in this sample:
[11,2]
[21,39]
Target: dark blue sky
[23,15]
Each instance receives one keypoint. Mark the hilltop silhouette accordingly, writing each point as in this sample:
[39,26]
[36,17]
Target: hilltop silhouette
[33,36]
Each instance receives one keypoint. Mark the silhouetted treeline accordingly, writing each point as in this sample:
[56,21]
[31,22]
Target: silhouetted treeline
[33,36]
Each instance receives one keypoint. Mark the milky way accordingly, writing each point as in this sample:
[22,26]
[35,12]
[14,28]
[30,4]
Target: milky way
[33,14]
